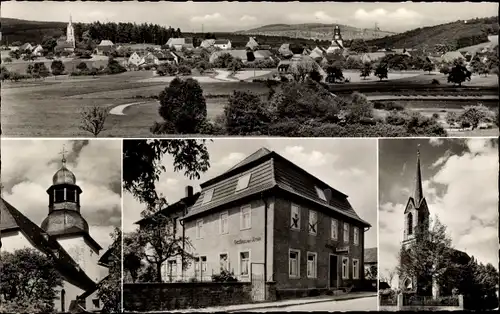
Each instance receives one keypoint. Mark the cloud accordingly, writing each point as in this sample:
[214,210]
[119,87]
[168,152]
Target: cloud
[390,19]
[230,160]
[436,141]
[314,158]
[208,18]
[314,17]
[463,193]
[248,18]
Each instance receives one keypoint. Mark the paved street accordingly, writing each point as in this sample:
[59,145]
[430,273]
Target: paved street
[360,304]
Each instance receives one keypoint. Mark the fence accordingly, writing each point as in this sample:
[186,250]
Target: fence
[414,300]
[205,276]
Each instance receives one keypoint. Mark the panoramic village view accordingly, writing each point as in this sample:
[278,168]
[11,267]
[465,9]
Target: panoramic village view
[203,73]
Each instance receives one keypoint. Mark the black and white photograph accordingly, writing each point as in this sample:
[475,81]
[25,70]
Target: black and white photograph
[438,224]
[60,221]
[291,69]
[250,225]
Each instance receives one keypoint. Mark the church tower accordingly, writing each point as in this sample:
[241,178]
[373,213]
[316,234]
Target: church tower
[416,216]
[337,37]
[70,33]
[66,224]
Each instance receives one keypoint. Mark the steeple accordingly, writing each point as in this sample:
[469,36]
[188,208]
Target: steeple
[418,196]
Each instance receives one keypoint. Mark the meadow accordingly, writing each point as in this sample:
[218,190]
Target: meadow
[51,107]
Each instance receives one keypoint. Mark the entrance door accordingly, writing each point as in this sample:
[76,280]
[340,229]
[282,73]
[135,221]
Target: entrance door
[333,271]
[258,281]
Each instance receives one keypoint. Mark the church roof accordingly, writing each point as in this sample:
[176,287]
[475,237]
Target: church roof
[418,195]
[64,176]
[12,219]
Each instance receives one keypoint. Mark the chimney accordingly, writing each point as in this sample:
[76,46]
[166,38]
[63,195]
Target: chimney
[328,196]
[189,191]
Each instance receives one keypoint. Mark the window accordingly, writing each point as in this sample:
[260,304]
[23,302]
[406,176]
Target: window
[355,269]
[199,229]
[294,263]
[313,222]
[224,261]
[244,263]
[345,267]
[410,224]
[246,217]
[312,265]
[174,223]
[203,264]
[335,229]
[346,232]
[295,218]
[223,227]
[207,196]
[59,195]
[196,266]
[243,182]
[356,235]
[71,195]
[172,269]
[321,193]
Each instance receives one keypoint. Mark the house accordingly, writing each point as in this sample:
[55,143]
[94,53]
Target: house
[179,43]
[63,45]
[373,56]
[38,51]
[104,47]
[317,53]
[286,66]
[166,56]
[26,46]
[371,259]
[252,43]
[288,50]
[134,60]
[268,219]
[237,54]
[451,56]
[223,44]
[207,43]
[64,237]
[149,59]
[263,55]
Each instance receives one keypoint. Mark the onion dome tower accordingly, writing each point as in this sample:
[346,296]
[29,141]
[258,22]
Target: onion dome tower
[64,204]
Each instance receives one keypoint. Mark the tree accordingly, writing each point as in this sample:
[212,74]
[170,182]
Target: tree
[29,280]
[452,118]
[359,46]
[315,76]
[92,119]
[82,66]
[15,54]
[301,69]
[366,70]
[158,236]
[132,256]
[142,164]
[114,67]
[57,67]
[30,69]
[334,73]
[183,107]
[110,288]
[371,273]
[235,65]
[49,43]
[459,74]
[428,258]
[7,60]
[474,115]
[246,114]
[381,71]
[40,70]
[428,66]
[356,108]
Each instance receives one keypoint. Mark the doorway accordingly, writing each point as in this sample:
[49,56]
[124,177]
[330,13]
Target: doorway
[333,266]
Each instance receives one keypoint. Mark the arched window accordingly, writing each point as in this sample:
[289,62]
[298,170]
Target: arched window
[410,224]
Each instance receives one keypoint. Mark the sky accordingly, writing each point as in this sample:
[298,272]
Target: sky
[349,166]
[28,167]
[460,184]
[233,16]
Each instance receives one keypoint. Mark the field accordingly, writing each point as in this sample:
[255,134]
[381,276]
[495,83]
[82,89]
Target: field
[51,107]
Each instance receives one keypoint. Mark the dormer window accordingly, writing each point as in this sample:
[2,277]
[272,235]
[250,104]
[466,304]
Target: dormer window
[243,182]
[207,197]
[321,193]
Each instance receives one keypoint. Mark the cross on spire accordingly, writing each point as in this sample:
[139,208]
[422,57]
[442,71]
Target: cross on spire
[418,196]
[63,153]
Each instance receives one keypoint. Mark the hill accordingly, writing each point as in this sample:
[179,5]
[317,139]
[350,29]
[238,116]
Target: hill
[29,31]
[316,30]
[456,35]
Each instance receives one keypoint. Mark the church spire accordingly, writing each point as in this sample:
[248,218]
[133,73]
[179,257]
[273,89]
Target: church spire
[418,196]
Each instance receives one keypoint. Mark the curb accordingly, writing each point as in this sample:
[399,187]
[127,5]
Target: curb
[304,303]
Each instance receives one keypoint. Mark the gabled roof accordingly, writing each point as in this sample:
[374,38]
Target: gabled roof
[26,46]
[451,56]
[172,208]
[370,255]
[207,43]
[106,42]
[221,42]
[68,268]
[270,171]
[264,54]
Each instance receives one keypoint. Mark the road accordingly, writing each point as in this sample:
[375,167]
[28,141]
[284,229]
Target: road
[361,304]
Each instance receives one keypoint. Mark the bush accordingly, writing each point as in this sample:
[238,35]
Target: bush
[224,276]
[474,115]
[435,82]
[184,70]
[435,115]
[114,67]
[82,66]
[57,67]
[166,69]
[397,118]
[246,114]
[419,125]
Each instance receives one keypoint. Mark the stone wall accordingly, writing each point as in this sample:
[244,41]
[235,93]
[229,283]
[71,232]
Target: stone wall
[173,296]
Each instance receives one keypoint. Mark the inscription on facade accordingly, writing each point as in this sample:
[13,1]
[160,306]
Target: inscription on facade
[344,249]
[243,241]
